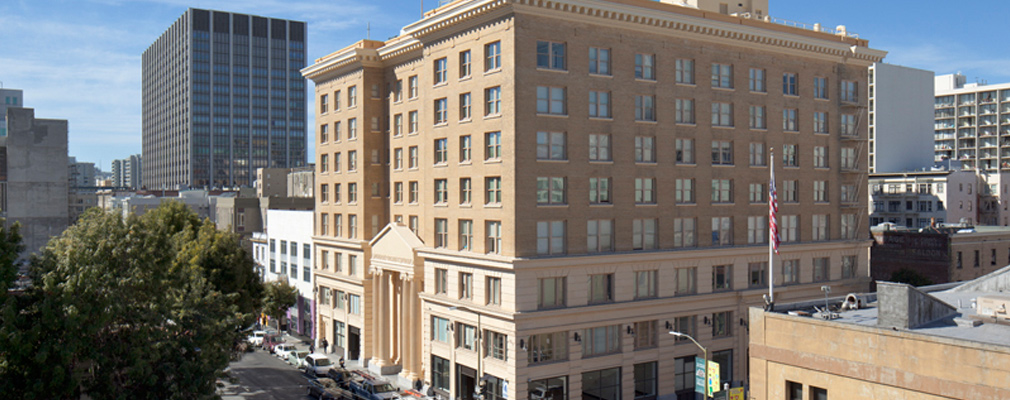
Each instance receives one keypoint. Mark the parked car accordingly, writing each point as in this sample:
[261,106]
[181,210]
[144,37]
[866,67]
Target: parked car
[327,389]
[295,357]
[256,339]
[282,350]
[317,364]
[339,375]
[369,387]
[270,341]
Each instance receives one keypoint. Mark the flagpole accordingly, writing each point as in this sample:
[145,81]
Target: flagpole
[772,229]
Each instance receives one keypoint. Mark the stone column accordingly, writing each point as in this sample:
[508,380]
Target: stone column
[378,355]
[413,333]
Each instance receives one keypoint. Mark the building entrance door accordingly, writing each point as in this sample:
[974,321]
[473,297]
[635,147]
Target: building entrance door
[353,343]
[466,382]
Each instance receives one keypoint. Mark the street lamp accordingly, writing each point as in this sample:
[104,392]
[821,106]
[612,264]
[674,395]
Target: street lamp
[480,349]
[704,351]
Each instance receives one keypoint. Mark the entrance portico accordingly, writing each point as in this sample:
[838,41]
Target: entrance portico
[396,278]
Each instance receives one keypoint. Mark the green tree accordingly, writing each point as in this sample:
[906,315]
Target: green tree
[278,297]
[911,277]
[10,250]
[142,307]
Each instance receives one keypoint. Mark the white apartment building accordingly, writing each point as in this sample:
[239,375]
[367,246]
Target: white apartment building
[900,118]
[972,123]
[284,251]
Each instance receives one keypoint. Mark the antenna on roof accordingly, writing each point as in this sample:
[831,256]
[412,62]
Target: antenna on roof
[368,30]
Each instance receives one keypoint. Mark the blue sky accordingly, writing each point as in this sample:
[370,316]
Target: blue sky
[80,59]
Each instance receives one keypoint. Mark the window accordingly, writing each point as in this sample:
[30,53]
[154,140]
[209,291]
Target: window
[821,122]
[336,131]
[850,91]
[848,161]
[684,191]
[684,71]
[599,147]
[352,192]
[464,64]
[821,269]
[789,84]
[465,189]
[496,345]
[324,131]
[721,278]
[352,129]
[323,103]
[722,231]
[757,80]
[464,106]
[413,192]
[441,111]
[722,152]
[820,157]
[789,157]
[757,155]
[722,191]
[338,229]
[722,324]
[757,117]
[757,272]
[412,122]
[492,101]
[644,234]
[645,66]
[646,284]
[645,191]
[492,56]
[599,235]
[398,91]
[848,226]
[551,293]
[414,223]
[756,228]
[441,281]
[789,120]
[441,151]
[820,192]
[794,391]
[684,375]
[494,241]
[465,285]
[848,125]
[551,190]
[324,190]
[820,87]
[352,96]
[646,376]
[722,114]
[441,191]
[722,76]
[352,226]
[398,158]
[492,148]
[551,55]
[336,100]
[817,393]
[685,111]
[599,341]
[493,286]
[686,280]
[440,329]
[848,267]
[465,143]
[551,146]
[465,234]
[645,149]
[790,191]
[599,191]
[757,193]
[685,151]
[551,100]
[599,61]
[466,337]
[789,226]
[492,186]
[790,271]
[645,108]
[548,347]
[684,232]
[550,237]
[599,104]
[601,288]
[398,192]
[441,74]
[412,87]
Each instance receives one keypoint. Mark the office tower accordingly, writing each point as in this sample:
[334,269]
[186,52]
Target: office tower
[223,96]
[532,194]
[126,172]
[901,118]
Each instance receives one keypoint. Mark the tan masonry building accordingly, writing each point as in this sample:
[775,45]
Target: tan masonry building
[536,191]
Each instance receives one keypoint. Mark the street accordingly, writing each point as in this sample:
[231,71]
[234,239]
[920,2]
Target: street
[260,375]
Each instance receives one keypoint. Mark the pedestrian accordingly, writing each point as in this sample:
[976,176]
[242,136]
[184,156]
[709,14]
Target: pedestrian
[326,346]
[312,348]
[341,363]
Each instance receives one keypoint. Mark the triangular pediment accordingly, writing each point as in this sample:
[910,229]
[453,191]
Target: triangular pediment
[395,244]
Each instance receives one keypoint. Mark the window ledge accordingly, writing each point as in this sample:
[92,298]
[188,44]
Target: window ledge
[608,119]
[551,161]
[563,116]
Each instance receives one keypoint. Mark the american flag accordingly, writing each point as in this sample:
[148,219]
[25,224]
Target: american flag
[773,209]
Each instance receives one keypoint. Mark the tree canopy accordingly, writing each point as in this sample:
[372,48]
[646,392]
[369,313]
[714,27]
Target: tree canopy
[278,297]
[141,307]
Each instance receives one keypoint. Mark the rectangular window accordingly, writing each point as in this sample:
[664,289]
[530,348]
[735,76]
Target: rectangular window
[551,293]
[757,155]
[686,280]
[645,108]
[789,156]
[336,100]
[757,193]
[684,232]
[789,84]
[848,226]
[496,345]
[757,117]
[465,285]
[398,158]
[465,144]
[684,191]
[412,87]
[493,286]
[848,125]
[645,149]
[441,281]
[757,80]
[821,269]
[684,71]
[412,194]
[599,147]
[601,288]
[441,151]
[789,120]
[352,96]
[492,56]
[548,347]
[338,229]
[600,235]
[722,152]
[722,278]
[441,111]
[324,131]
[352,129]
[441,73]
[685,151]
[645,66]
[685,111]
[466,336]
[850,91]
[820,87]
[820,157]
[464,64]
[412,122]
[757,273]
[551,55]
[848,267]
[821,122]
[794,391]
[440,329]
[817,393]
[722,191]
[820,191]
[465,189]
[722,324]
[323,103]
[398,192]
[550,237]
[599,104]
[324,191]
[722,231]
[464,106]
[790,271]
[398,91]
[790,191]
[551,191]
[646,284]
[599,61]
[600,341]
[645,333]
[441,232]
[492,187]
[789,226]
[352,192]
[644,234]
[492,146]
[551,100]
[352,226]
[599,191]
[756,228]
[645,192]
[848,161]
[722,114]
[551,146]
[722,76]
[465,235]
[494,241]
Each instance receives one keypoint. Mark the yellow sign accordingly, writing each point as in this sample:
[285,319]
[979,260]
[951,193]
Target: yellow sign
[736,393]
[713,377]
